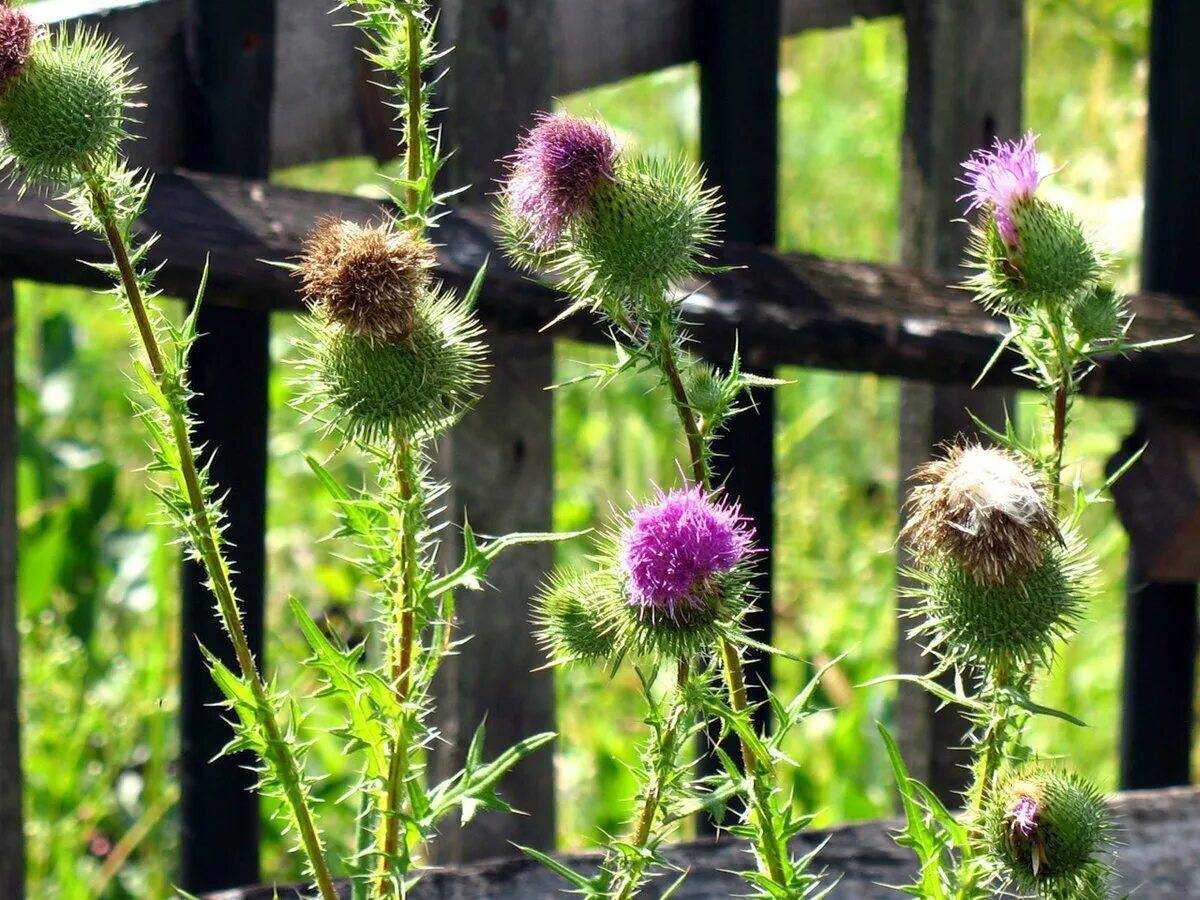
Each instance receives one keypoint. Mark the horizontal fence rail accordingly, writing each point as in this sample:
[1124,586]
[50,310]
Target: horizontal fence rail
[783,308]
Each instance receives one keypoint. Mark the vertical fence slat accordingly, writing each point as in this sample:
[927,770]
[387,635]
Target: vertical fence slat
[964,86]
[230,53]
[499,459]
[738,50]
[1157,706]
[12,845]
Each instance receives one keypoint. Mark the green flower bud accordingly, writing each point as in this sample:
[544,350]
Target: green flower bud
[1099,316]
[65,111]
[1046,828]
[569,614]
[707,391]
[420,384]
[644,230]
[999,626]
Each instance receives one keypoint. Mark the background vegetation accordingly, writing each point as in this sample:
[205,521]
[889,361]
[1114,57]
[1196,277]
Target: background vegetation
[100,616]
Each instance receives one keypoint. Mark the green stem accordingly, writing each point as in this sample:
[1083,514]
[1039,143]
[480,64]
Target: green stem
[664,762]
[1060,429]
[412,132]
[687,416]
[208,545]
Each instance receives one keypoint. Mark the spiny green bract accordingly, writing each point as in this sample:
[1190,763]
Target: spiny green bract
[1100,315]
[416,386]
[66,111]
[569,614]
[1001,626]
[644,231]
[1055,260]
[1055,855]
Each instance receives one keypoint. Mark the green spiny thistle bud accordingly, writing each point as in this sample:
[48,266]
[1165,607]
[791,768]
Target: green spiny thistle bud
[368,280]
[1099,316]
[569,614]
[419,384]
[707,391]
[985,508]
[65,111]
[1001,626]
[643,231]
[1046,828]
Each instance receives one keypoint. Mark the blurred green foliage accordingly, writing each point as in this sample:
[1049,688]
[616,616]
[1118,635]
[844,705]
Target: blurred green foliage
[97,578]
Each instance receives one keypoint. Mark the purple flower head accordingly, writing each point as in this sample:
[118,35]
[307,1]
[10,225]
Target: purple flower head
[1024,815]
[555,172]
[17,32]
[675,543]
[1001,178]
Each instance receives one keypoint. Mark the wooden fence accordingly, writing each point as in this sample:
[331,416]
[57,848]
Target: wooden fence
[237,87]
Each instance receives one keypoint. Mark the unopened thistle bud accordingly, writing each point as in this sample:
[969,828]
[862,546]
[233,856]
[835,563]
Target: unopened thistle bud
[369,280]
[1048,828]
[17,33]
[1100,316]
[63,112]
[558,167]
[984,507]
[572,613]
[1029,250]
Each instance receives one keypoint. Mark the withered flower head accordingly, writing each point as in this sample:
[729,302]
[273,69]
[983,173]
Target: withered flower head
[368,279]
[986,508]
[17,33]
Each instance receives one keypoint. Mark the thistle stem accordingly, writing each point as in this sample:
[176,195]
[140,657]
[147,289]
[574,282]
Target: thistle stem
[412,132]
[207,544]
[1060,429]
[687,416]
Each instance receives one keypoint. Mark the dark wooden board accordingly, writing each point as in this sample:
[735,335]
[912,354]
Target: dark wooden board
[787,309]
[1159,834]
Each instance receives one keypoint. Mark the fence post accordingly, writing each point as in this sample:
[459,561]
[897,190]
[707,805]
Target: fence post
[499,459]
[964,87]
[230,55]
[738,50]
[12,838]
[1157,706]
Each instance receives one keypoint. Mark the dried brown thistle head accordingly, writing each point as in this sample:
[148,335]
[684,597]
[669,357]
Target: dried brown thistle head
[984,507]
[17,33]
[368,279]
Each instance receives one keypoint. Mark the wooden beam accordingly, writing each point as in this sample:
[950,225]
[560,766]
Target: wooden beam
[787,308]
[964,87]
[1160,831]
[324,107]
[499,459]
[12,837]
[231,55]
[1161,638]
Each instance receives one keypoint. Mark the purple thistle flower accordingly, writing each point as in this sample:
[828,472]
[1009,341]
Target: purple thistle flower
[553,175]
[675,543]
[1024,815]
[1001,178]
[17,32]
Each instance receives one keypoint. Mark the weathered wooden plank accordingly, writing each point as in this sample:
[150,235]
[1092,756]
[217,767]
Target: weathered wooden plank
[1158,707]
[230,57]
[1159,833]
[964,86]
[499,460]
[787,309]
[324,107]
[12,838]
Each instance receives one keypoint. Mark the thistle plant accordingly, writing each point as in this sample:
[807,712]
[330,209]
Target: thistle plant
[1001,574]
[669,585]
[393,360]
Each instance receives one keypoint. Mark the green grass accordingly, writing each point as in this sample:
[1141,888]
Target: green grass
[99,604]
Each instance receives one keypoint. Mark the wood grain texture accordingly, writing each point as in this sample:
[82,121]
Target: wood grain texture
[787,309]
[1159,833]
[499,460]
[964,87]
[324,107]
[12,839]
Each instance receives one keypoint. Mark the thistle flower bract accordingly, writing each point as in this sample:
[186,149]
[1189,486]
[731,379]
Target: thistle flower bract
[984,507]
[674,547]
[1028,250]
[557,169]
[17,32]
[418,385]
[369,280]
[1046,828]
[571,613]
[65,111]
